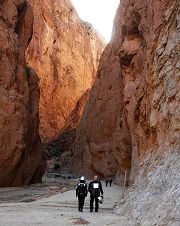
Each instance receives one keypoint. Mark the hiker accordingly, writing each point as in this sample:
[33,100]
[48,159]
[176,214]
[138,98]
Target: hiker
[110,182]
[81,192]
[106,182]
[95,188]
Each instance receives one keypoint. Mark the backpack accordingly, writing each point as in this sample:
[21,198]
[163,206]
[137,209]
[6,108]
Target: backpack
[95,189]
[82,190]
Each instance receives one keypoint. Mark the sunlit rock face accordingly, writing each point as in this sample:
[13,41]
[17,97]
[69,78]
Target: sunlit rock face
[151,100]
[131,121]
[64,52]
[21,160]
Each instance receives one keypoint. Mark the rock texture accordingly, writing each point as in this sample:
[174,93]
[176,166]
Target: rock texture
[154,200]
[63,144]
[21,160]
[133,108]
[64,52]
[132,119]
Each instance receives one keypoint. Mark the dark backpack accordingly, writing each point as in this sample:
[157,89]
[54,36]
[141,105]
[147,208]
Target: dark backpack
[82,189]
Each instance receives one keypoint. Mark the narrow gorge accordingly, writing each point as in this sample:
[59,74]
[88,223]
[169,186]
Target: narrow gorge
[133,110]
[131,122]
[49,58]
[94,108]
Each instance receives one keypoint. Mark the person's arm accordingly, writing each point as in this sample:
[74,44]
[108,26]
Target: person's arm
[76,190]
[100,186]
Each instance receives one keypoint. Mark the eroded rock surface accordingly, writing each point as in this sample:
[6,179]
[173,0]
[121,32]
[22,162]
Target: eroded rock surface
[133,108]
[153,113]
[62,146]
[132,119]
[21,160]
[64,52]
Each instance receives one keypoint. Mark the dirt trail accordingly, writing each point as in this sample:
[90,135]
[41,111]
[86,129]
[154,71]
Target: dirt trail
[61,209]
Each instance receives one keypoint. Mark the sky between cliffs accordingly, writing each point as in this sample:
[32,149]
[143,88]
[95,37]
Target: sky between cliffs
[100,13]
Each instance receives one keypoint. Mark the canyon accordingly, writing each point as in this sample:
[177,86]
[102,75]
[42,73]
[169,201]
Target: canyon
[112,110]
[133,108]
[131,122]
[49,58]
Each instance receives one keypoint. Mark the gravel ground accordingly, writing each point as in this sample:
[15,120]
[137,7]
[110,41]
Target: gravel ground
[61,209]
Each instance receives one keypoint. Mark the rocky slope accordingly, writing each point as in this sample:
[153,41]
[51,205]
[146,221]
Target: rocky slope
[21,160]
[132,119]
[64,52]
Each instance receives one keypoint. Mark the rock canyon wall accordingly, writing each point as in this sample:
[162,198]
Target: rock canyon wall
[21,159]
[132,119]
[64,52]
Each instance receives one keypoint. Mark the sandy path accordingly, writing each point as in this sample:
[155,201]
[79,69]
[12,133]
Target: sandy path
[61,209]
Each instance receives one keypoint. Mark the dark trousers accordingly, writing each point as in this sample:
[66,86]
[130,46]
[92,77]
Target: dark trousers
[92,198]
[81,202]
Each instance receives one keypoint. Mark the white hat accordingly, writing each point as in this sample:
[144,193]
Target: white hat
[82,178]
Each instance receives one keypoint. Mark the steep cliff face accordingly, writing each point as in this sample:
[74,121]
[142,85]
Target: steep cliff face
[132,119]
[64,51]
[100,146]
[63,143]
[21,160]
[152,97]
[150,69]
[133,107]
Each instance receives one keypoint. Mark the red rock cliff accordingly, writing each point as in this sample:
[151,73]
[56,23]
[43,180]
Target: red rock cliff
[133,109]
[21,160]
[64,51]
[132,119]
